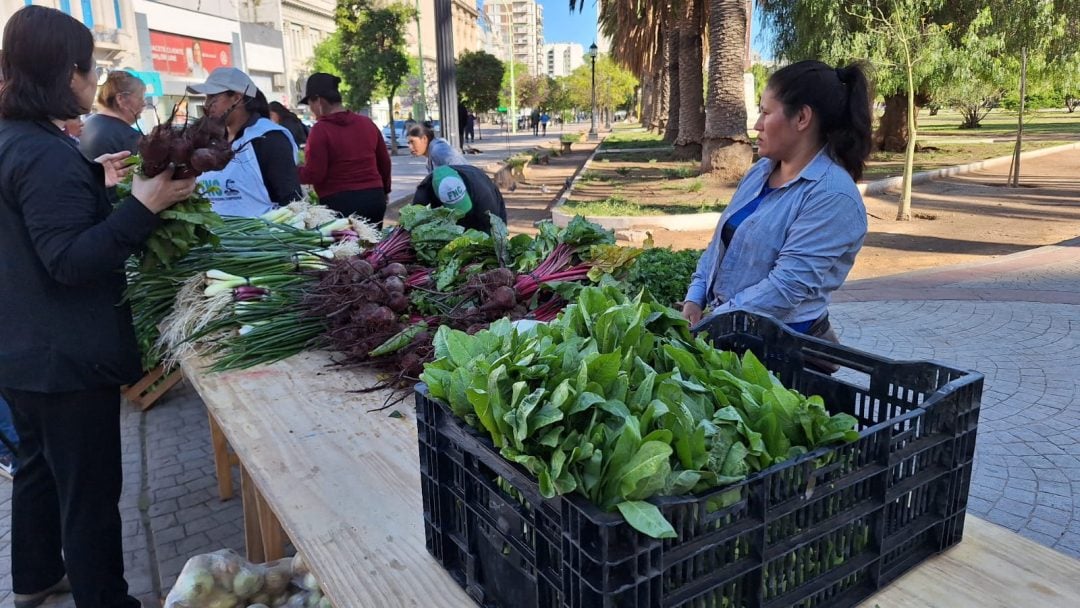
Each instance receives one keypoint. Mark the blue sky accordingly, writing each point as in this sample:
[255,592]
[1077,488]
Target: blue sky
[562,26]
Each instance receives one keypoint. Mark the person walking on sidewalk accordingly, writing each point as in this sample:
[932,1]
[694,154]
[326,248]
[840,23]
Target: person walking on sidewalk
[346,159]
[534,122]
[67,342]
[790,235]
[544,118]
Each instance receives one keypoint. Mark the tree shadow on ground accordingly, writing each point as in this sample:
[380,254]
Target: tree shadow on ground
[933,244]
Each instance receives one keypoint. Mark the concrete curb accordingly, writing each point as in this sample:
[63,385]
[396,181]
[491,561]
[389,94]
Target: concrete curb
[635,150]
[561,219]
[881,185]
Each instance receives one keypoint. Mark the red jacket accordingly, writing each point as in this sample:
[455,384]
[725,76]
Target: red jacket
[345,151]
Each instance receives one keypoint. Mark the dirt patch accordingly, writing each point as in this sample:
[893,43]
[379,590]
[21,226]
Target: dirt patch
[646,183]
[975,218]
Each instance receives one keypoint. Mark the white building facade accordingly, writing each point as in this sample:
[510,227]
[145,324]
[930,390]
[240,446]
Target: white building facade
[561,58]
[518,26]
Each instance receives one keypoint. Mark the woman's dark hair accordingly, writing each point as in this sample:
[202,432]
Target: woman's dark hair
[279,108]
[42,49]
[119,82]
[257,104]
[422,129]
[839,97]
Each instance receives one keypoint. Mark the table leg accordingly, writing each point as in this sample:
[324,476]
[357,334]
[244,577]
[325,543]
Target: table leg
[273,537]
[253,538]
[222,462]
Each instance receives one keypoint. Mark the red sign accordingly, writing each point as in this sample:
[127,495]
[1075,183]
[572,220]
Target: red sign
[185,56]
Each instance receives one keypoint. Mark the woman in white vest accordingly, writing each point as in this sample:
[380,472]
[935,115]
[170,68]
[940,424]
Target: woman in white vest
[263,173]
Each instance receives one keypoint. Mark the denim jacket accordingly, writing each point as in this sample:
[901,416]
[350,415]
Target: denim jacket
[792,253]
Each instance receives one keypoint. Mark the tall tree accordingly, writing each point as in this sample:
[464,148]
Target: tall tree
[977,71]
[479,78]
[691,80]
[902,30]
[726,151]
[326,58]
[614,85]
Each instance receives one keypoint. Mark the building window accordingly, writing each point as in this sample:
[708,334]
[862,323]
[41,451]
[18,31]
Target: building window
[88,13]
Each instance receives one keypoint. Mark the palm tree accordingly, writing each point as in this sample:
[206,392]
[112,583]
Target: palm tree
[726,151]
[691,80]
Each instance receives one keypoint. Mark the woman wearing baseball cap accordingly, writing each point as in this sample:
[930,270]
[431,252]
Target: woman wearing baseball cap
[263,172]
[345,158]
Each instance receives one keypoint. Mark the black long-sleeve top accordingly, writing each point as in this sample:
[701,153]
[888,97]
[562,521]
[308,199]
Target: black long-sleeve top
[63,325]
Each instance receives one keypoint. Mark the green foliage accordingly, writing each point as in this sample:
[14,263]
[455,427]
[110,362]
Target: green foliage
[614,84]
[479,80]
[665,273]
[978,71]
[615,400]
[558,98]
[521,73]
[372,57]
[327,58]
[761,74]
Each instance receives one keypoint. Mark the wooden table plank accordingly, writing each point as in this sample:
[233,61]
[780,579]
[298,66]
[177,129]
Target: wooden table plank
[991,568]
[345,485]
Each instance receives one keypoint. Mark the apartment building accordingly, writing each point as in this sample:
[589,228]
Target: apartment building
[517,31]
[561,58]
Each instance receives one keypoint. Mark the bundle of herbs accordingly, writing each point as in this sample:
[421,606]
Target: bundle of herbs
[617,401]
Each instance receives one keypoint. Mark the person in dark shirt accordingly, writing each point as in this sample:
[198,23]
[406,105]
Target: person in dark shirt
[120,102]
[286,118]
[460,186]
[263,173]
[67,342]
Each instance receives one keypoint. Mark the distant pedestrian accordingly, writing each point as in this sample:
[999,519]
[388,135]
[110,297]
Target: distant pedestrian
[470,127]
[462,118]
[544,118]
[534,121]
[346,158]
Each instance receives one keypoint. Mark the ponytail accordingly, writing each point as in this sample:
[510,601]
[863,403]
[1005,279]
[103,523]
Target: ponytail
[840,98]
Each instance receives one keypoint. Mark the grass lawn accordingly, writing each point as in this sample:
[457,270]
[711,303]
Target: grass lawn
[937,155]
[617,205]
[1002,123]
[626,140]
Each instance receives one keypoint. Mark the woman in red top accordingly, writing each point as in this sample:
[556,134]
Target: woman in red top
[346,158]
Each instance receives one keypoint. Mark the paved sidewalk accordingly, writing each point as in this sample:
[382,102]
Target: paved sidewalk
[1017,320]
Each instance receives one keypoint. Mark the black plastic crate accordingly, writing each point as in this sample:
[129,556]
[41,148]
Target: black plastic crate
[796,534]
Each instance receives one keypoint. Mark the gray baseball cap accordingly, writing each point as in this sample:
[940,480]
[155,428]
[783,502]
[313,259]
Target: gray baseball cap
[225,79]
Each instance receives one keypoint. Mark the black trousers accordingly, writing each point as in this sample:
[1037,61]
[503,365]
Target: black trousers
[64,503]
[369,204]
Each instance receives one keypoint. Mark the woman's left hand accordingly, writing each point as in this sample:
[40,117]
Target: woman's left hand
[115,167]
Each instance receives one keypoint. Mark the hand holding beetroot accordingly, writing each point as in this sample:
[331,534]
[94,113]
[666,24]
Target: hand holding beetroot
[161,192]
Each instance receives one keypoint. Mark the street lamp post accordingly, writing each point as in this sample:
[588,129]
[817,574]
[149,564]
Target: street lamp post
[592,128]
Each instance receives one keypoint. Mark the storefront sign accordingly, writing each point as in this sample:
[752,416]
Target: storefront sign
[183,56]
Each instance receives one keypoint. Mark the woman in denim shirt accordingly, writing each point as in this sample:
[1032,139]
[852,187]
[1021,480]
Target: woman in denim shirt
[789,237]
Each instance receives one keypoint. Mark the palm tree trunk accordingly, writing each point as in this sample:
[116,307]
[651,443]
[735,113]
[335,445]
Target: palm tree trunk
[661,93]
[726,151]
[647,99]
[691,81]
[671,57]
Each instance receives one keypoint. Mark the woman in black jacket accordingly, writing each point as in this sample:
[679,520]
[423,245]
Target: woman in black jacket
[66,341]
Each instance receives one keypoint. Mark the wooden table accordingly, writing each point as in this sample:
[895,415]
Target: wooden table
[345,486]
